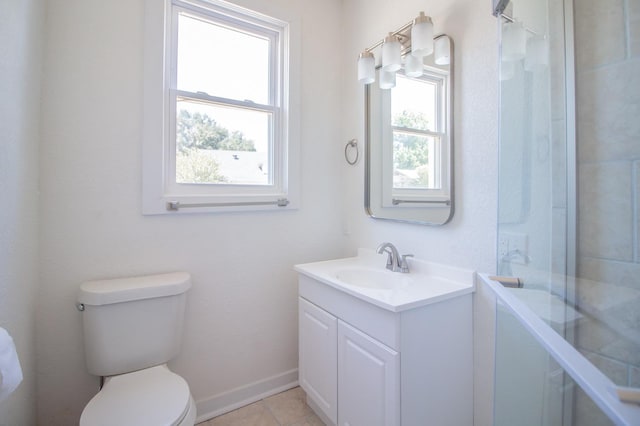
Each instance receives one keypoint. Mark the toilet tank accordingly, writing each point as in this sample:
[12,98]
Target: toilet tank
[132,323]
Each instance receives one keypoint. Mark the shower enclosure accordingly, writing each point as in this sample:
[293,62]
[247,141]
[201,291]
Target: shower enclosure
[569,226]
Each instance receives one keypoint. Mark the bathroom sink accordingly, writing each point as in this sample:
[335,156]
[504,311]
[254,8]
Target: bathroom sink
[371,278]
[366,278]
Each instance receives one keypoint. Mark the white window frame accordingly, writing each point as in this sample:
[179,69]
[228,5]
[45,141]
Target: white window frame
[441,133]
[160,193]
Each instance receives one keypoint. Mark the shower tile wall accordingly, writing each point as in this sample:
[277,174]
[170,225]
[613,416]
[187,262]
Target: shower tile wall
[608,131]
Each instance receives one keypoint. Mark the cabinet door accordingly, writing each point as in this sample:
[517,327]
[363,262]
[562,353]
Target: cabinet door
[318,357]
[368,380]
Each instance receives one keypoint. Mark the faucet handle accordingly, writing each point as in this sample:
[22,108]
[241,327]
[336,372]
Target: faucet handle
[404,266]
[389,259]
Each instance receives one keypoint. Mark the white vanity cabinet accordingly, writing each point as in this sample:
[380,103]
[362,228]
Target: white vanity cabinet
[368,380]
[337,359]
[318,357]
[364,365]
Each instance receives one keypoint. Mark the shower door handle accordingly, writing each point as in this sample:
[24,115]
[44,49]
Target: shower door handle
[509,282]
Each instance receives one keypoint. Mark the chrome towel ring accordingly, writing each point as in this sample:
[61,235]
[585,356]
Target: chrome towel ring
[353,143]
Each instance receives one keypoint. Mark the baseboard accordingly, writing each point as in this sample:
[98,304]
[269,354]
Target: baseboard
[216,405]
[316,409]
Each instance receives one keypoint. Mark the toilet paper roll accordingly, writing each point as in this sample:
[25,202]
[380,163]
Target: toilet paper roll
[10,371]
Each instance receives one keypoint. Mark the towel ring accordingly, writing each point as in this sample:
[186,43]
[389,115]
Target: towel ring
[353,143]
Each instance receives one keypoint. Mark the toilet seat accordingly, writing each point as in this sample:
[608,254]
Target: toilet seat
[154,396]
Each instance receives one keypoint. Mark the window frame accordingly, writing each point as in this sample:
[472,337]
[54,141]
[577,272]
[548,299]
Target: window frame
[161,193]
[441,143]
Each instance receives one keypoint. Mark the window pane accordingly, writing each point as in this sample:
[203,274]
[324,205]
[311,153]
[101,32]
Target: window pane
[414,161]
[413,104]
[221,61]
[222,145]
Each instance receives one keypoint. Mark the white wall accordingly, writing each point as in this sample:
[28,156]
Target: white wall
[241,322]
[469,239]
[20,68]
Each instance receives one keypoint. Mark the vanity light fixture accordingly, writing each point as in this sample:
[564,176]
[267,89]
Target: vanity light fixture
[443,51]
[413,41]
[422,36]
[537,54]
[387,79]
[518,42]
[391,53]
[507,70]
[366,68]
[413,66]
[514,41]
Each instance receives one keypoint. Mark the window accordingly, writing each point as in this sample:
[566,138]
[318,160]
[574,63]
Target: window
[417,129]
[416,140]
[222,139]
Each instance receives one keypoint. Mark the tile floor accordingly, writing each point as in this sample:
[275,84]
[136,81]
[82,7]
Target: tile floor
[284,409]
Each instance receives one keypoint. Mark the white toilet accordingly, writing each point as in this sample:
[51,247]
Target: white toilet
[132,327]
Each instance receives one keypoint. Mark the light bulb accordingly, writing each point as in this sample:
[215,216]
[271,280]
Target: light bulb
[537,54]
[443,51]
[391,54]
[413,66]
[507,70]
[514,41]
[422,36]
[387,79]
[366,68]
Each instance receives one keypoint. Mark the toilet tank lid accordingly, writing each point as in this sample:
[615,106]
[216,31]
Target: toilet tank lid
[105,292]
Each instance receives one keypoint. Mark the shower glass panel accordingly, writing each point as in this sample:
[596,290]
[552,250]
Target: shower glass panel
[607,287]
[532,185]
[531,388]
[569,167]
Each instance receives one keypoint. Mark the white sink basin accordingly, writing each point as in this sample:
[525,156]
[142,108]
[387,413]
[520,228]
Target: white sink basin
[373,278]
[366,278]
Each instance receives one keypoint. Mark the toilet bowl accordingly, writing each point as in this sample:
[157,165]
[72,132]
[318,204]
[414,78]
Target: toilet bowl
[132,327]
[151,397]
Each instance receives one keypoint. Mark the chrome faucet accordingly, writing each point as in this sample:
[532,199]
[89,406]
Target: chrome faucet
[504,267]
[395,262]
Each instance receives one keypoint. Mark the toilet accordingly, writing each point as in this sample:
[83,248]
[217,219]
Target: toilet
[132,327]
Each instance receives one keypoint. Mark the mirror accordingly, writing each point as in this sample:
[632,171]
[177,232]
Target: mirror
[409,146]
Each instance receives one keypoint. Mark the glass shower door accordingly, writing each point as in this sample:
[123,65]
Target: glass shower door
[535,201]
[531,388]
[568,201]
[533,239]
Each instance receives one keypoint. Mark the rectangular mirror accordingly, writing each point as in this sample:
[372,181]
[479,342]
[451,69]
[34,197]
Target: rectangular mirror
[409,140]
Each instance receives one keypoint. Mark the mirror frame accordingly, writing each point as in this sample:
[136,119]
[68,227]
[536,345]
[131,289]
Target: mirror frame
[424,210]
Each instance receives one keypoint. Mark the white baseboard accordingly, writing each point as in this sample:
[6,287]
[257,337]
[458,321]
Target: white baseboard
[216,405]
[316,409]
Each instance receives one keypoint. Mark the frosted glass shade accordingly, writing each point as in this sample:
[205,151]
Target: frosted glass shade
[422,36]
[387,79]
[391,54]
[514,41]
[507,70]
[442,51]
[366,68]
[413,66]
[537,57]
